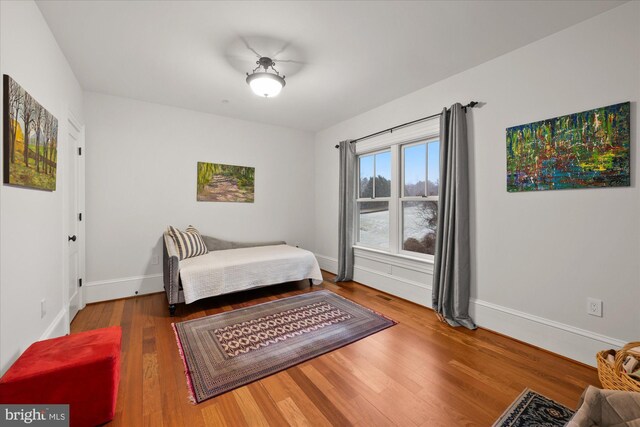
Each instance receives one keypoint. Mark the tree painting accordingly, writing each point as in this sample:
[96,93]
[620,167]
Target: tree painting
[225,183]
[30,140]
[581,150]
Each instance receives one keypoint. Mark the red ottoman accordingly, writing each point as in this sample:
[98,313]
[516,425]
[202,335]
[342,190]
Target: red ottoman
[82,370]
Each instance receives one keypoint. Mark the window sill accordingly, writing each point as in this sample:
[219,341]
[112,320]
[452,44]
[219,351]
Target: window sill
[423,265]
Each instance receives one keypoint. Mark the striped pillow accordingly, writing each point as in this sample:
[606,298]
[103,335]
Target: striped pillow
[189,242]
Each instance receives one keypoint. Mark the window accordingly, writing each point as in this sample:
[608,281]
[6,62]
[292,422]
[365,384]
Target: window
[374,194]
[397,201]
[419,200]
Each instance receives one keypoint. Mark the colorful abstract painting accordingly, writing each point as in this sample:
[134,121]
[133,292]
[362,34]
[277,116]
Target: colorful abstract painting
[225,183]
[581,150]
[30,140]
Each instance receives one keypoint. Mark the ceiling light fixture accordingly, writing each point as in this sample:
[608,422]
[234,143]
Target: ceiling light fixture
[264,83]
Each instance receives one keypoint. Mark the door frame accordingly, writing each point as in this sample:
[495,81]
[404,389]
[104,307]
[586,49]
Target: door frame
[74,125]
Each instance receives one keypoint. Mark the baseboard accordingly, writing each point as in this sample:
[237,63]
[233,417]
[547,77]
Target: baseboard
[561,338]
[327,263]
[57,327]
[566,340]
[104,290]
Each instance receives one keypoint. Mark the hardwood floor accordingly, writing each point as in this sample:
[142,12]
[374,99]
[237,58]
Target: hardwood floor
[417,373]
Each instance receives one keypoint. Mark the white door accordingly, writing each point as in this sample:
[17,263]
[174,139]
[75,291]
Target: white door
[74,189]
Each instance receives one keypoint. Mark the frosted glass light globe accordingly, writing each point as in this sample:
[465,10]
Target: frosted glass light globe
[265,84]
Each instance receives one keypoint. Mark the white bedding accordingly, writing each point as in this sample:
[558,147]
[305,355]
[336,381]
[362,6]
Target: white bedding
[231,270]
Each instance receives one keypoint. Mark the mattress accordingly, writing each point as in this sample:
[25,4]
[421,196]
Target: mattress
[232,270]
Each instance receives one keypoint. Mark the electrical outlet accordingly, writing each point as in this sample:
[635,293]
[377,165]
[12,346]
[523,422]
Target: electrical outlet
[155,260]
[43,308]
[594,307]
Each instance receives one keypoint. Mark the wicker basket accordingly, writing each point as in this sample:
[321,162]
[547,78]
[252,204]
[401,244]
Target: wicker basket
[613,377]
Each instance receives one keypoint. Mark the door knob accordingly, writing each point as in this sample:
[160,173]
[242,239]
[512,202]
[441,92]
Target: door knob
[72,238]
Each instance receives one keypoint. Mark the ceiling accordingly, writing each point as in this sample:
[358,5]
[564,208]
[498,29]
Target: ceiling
[340,58]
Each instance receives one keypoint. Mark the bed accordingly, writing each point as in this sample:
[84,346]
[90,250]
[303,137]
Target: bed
[231,267]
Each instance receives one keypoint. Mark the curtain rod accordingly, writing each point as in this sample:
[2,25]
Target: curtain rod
[391,129]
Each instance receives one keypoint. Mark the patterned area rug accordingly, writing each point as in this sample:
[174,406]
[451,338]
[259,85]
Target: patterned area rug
[532,409]
[228,350]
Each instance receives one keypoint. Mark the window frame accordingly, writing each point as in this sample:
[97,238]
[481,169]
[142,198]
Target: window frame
[426,198]
[424,133]
[373,198]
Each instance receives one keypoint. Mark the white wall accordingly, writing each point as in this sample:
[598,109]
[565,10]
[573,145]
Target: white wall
[141,177]
[536,256]
[31,221]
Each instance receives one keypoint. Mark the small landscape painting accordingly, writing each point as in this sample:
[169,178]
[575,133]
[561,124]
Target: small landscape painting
[30,140]
[581,150]
[225,183]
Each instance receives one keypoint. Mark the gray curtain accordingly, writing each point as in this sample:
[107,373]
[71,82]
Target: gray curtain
[452,267]
[345,211]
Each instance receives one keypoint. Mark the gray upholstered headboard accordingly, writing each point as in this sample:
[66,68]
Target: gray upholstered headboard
[214,244]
